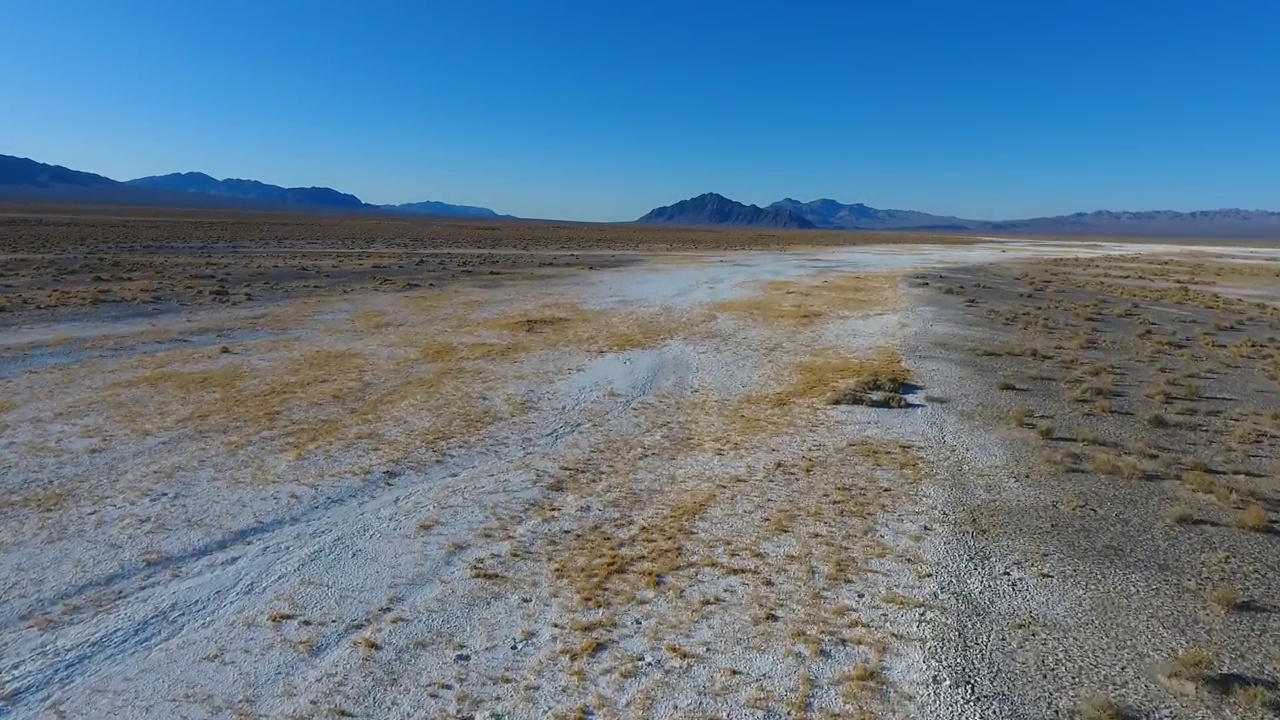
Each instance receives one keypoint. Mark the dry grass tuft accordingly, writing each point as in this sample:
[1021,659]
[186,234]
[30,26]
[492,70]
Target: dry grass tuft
[1254,517]
[1194,666]
[1256,698]
[366,643]
[1200,482]
[1225,597]
[1123,466]
[1100,707]
[1155,420]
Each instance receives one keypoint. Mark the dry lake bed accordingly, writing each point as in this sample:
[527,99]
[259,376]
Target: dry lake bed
[1004,479]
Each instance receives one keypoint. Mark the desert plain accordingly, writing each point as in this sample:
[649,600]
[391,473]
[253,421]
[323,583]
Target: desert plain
[312,467]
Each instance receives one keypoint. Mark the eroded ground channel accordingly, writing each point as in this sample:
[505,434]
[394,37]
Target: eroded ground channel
[997,480]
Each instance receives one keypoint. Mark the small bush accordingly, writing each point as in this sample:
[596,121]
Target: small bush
[1254,697]
[1200,482]
[1044,430]
[1093,391]
[1194,665]
[1181,515]
[1155,420]
[1225,597]
[1100,707]
[1084,436]
[1006,385]
[872,399]
[1254,518]
[1129,468]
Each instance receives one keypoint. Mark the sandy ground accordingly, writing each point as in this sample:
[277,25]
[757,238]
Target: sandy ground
[619,493]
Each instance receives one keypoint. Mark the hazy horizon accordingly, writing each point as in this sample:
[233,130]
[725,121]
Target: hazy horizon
[581,112]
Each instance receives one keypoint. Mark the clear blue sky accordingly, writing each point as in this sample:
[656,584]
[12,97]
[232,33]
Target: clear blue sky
[600,111]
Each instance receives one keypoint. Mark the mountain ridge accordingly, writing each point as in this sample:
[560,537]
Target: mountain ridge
[24,179]
[197,182]
[828,214]
[716,209]
[831,214]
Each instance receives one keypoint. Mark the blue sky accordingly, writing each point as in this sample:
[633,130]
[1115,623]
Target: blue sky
[600,111]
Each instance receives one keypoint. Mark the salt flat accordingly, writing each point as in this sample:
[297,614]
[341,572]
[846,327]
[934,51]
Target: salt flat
[619,493]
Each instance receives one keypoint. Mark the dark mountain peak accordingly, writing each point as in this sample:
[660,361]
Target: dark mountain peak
[716,209]
[184,182]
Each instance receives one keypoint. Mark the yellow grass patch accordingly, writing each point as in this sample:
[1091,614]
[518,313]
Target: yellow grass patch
[50,499]
[721,425]
[391,384]
[820,375]
[608,565]
[573,328]
[809,300]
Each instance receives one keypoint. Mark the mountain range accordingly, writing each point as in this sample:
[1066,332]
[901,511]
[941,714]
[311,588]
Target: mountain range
[27,180]
[827,214]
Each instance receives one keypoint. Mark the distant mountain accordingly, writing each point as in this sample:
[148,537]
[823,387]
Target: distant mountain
[432,207]
[830,214]
[713,209]
[25,180]
[21,172]
[195,182]
[1227,223]
[827,213]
